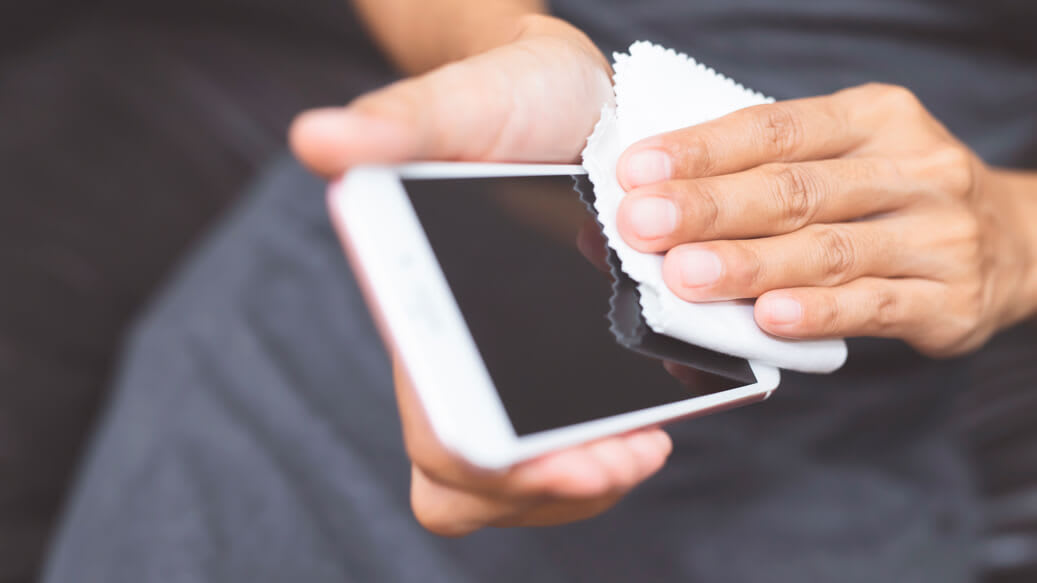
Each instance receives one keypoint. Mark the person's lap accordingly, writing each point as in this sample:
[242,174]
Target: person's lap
[253,437]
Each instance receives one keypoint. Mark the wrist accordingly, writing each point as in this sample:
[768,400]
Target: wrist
[1019,191]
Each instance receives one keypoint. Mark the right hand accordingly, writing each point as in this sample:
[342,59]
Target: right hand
[452,498]
[534,99]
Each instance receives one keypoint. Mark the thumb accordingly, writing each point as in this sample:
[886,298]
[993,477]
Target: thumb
[456,112]
[533,100]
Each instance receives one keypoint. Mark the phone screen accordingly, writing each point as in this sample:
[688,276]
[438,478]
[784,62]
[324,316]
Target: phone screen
[524,259]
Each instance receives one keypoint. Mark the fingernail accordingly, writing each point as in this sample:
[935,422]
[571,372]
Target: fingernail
[783,310]
[652,217]
[699,267]
[647,167]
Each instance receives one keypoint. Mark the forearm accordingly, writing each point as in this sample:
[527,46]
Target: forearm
[419,35]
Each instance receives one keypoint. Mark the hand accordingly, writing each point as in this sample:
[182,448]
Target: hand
[535,99]
[853,214]
[452,498]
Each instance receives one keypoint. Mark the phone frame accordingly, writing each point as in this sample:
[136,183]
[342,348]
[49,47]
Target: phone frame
[421,323]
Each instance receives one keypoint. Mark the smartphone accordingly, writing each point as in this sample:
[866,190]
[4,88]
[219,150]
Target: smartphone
[485,282]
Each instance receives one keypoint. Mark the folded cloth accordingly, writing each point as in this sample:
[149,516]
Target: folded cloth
[657,91]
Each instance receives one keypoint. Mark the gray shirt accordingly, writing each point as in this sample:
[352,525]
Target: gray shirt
[253,434]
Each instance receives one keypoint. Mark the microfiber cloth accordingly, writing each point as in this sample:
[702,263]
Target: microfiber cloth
[658,90]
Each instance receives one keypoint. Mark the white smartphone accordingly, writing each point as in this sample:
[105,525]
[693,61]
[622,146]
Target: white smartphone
[475,276]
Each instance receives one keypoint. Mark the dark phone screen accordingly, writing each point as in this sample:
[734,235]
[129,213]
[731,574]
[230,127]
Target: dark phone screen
[536,305]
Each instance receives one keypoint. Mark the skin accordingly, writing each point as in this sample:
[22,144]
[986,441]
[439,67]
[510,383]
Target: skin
[853,214]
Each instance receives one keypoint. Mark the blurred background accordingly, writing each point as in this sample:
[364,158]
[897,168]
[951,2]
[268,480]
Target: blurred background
[127,127]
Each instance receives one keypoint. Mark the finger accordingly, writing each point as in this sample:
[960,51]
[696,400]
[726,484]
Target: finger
[768,200]
[598,468]
[621,466]
[428,454]
[449,511]
[573,472]
[788,131]
[559,512]
[617,464]
[629,459]
[890,308]
[818,255]
[569,473]
[651,449]
[455,513]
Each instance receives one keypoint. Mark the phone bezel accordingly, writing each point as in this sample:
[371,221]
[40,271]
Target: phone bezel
[421,323]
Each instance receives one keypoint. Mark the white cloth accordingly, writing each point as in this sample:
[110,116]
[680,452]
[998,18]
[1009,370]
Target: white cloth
[657,91]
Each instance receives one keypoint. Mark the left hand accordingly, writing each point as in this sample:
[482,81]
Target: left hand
[852,214]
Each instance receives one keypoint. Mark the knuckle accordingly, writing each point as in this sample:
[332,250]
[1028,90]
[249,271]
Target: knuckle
[870,90]
[883,103]
[967,232]
[692,149]
[931,347]
[888,313]
[826,317]
[955,339]
[838,252]
[751,275]
[704,214]
[960,326]
[795,191]
[896,97]
[781,129]
[974,301]
[960,249]
[956,169]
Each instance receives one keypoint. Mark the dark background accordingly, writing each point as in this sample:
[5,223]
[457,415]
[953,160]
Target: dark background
[127,127]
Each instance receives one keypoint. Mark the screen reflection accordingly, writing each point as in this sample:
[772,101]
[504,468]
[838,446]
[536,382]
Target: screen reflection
[526,261]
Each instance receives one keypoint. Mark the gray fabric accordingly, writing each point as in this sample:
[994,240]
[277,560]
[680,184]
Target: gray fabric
[253,437]
[974,64]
